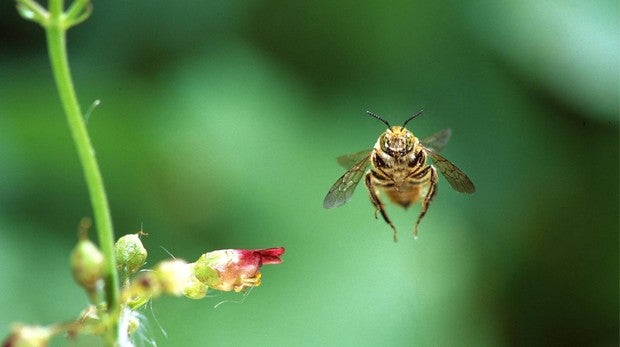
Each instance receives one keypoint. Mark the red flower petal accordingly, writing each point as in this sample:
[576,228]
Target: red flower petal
[271,255]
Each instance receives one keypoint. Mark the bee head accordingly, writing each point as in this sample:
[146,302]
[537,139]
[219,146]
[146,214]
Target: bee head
[397,141]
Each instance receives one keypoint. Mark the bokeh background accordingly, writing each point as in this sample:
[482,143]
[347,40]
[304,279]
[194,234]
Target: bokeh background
[219,126]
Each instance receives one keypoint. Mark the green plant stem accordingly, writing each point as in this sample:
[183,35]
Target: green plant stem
[56,43]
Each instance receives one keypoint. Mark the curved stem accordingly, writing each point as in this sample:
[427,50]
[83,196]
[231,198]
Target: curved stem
[56,44]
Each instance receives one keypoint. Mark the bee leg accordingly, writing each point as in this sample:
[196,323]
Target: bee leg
[430,194]
[374,198]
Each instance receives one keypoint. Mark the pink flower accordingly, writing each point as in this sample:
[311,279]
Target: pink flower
[235,269]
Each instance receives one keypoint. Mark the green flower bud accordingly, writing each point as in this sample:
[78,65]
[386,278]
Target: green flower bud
[130,253]
[195,289]
[142,288]
[204,271]
[90,316]
[87,264]
[133,325]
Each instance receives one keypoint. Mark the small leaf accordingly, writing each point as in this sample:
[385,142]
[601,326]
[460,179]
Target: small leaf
[78,12]
[25,12]
[31,10]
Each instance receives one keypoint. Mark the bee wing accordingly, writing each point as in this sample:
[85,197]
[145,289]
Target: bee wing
[342,191]
[349,160]
[437,141]
[457,178]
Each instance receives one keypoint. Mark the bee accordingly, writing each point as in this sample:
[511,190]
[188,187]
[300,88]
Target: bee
[398,168]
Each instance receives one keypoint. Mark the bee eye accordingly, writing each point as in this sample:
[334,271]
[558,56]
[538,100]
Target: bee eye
[384,142]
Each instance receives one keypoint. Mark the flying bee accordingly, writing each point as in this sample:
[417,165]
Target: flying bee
[398,168]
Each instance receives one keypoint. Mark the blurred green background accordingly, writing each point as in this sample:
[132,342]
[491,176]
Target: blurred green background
[219,126]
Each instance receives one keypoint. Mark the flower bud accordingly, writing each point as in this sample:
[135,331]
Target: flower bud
[168,277]
[195,289]
[174,276]
[234,269]
[89,316]
[141,289]
[133,325]
[87,264]
[28,336]
[130,253]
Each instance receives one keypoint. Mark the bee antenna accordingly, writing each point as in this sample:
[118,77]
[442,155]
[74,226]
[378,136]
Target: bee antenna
[379,118]
[412,117]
